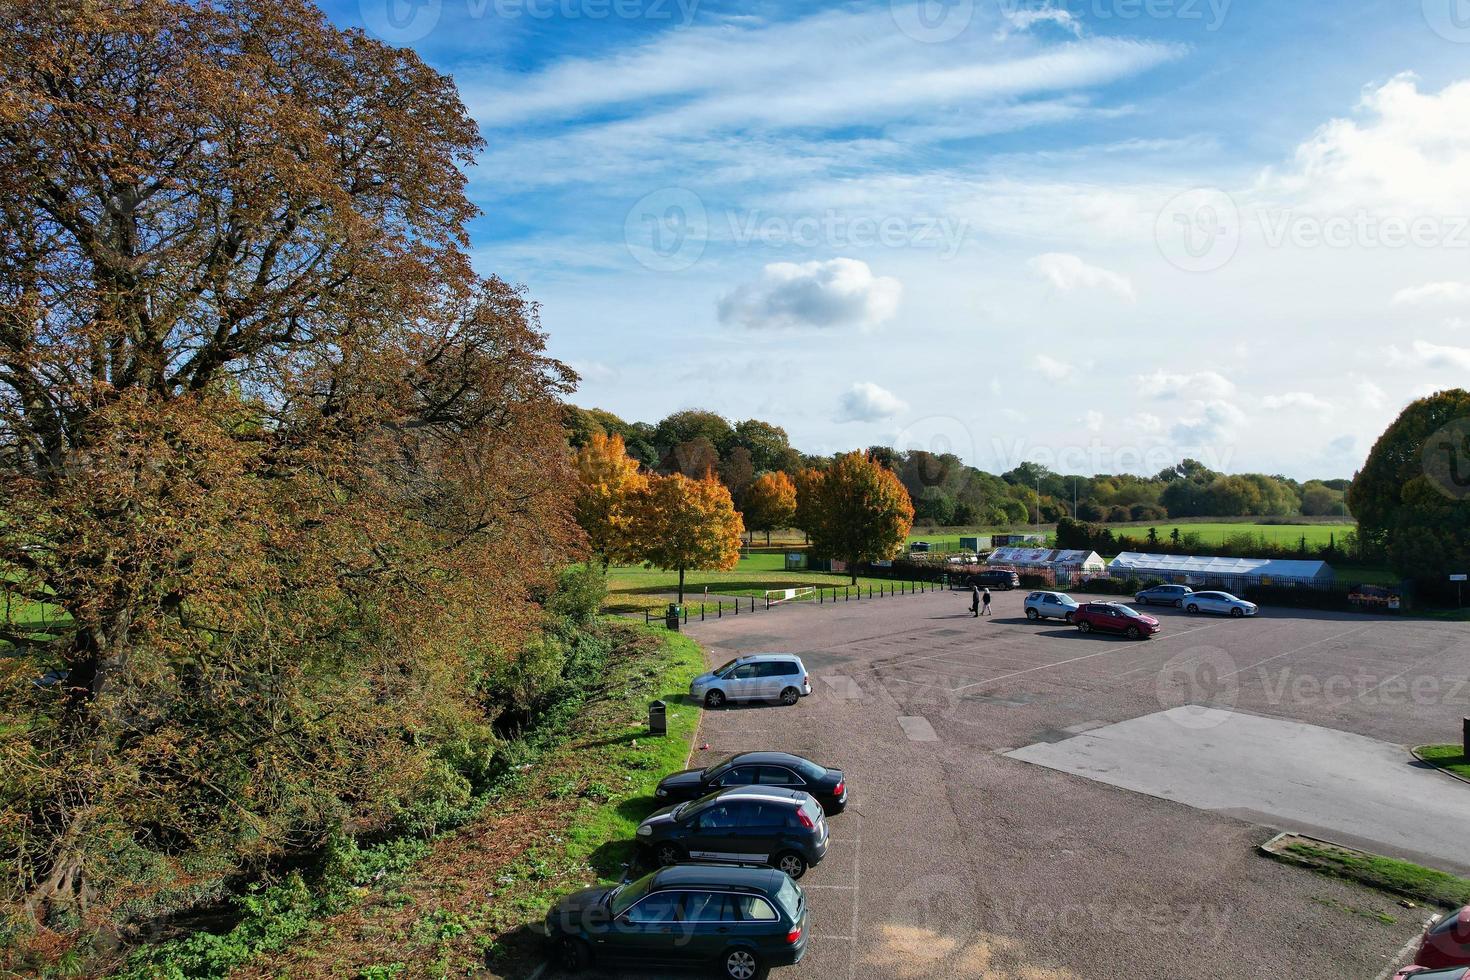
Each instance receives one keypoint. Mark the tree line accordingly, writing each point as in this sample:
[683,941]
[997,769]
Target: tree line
[947,492]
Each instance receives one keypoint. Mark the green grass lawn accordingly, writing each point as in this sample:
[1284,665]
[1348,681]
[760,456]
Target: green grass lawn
[633,588]
[1448,757]
[1217,532]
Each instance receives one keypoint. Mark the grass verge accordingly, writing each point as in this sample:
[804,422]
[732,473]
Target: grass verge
[1450,758]
[1402,878]
[567,821]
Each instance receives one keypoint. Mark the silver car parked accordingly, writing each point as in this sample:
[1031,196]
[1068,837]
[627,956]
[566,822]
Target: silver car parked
[1222,603]
[760,677]
[1051,605]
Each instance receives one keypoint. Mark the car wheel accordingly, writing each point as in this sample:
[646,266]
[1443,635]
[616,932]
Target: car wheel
[573,954]
[1237,613]
[1179,604]
[1085,627]
[742,964]
[792,863]
[666,854]
[1032,614]
[1140,600]
[1071,618]
[1194,608]
[1134,633]
[790,696]
[714,699]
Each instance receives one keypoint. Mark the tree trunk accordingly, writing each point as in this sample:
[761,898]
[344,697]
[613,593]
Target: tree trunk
[768,537]
[681,585]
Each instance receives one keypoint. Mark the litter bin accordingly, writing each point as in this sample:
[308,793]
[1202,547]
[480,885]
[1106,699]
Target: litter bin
[671,617]
[658,718]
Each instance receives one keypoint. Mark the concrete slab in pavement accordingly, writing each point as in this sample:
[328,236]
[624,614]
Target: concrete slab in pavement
[1338,785]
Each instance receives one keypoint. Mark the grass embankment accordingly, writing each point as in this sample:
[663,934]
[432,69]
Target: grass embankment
[1401,878]
[566,821]
[1450,758]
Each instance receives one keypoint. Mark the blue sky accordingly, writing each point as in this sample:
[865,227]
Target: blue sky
[1100,234]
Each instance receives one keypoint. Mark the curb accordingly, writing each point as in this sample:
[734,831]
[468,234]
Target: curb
[1436,766]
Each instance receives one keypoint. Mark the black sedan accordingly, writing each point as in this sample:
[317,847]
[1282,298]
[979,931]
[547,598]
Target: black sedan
[758,769]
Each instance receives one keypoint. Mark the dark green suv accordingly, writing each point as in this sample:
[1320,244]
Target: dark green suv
[744,920]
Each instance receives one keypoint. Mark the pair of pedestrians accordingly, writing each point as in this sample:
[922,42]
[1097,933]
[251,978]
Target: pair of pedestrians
[979,602]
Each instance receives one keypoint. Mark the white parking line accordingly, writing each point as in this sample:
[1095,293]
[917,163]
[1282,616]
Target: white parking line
[1305,646]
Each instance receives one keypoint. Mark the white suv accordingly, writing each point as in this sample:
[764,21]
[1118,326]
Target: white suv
[761,677]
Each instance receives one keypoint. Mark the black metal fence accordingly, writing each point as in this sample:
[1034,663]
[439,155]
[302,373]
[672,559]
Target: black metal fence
[821,596]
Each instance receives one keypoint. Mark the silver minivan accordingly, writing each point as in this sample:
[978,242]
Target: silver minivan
[779,677]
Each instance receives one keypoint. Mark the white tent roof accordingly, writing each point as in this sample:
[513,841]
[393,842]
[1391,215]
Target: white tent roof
[1042,556]
[1133,561]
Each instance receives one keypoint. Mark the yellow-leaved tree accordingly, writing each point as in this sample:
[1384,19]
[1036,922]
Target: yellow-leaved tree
[608,487]
[855,510]
[682,524]
[769,502]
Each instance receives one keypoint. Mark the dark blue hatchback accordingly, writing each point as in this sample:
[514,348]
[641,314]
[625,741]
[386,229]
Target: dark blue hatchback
[743,920]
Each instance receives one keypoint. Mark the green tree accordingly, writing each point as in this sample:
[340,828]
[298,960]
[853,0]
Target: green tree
[1412,497]
[691,424]
[856,510]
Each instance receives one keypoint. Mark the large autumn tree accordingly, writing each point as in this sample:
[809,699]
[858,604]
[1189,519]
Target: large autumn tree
[1412,497]
[608,488]
[687,524]
[855,510]
[288,470]
[769,503]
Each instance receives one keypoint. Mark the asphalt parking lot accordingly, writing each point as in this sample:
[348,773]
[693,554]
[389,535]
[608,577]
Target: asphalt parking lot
[956,860]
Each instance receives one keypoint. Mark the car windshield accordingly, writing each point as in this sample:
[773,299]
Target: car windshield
[727,666]
[622,897]
[1065,599]
[1130,612]
[712,771]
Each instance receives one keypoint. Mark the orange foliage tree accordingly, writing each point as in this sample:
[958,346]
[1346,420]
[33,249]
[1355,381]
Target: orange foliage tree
[290,469]
[682,523]
[769,502]
[855,510]
[608,487]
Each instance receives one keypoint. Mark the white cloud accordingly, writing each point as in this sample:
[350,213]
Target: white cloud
[1091,420]
[1433,293]
[1371,395]
[867,402]
[1428,354]
[593,370]
[1202,385]
[1025,19]
[1425,354]
[837,293]
[1145,422]
[1209,423]
[1342,446]
[1069,273]
[1052,369]
[1408,150]
[1303,401]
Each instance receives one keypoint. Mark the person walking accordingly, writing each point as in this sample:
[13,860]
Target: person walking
[986,600]
[975,602]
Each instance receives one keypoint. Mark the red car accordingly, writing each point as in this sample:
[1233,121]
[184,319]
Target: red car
[1114,617]
[1446,942]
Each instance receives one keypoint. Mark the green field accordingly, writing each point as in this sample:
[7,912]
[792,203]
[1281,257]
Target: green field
[632,587]
[1209,532]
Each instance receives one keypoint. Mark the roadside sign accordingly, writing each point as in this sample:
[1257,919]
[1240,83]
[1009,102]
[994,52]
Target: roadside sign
[1460,578]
